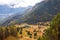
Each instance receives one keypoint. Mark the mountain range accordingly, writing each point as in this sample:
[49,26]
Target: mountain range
[41,12]
[6,11]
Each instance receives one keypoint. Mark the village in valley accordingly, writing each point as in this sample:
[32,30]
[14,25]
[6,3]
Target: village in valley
[29,31]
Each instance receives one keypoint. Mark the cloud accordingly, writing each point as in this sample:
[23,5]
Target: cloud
[19,3]
[2,2]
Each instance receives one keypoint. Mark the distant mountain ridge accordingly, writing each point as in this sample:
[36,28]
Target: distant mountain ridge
[6,10]
[15,16]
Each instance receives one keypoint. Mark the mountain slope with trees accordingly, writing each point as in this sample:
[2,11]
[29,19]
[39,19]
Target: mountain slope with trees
[41,12]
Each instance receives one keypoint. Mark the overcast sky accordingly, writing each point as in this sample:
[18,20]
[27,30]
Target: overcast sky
[19,3]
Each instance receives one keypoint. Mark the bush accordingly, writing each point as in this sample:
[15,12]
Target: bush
[52,32]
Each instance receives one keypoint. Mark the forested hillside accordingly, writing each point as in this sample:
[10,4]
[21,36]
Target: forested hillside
[43,11]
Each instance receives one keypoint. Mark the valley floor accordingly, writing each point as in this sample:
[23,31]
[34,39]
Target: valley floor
[28,32]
